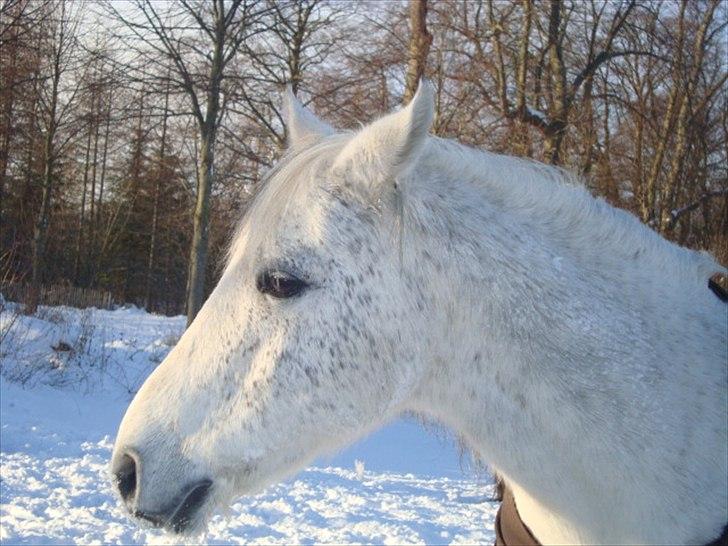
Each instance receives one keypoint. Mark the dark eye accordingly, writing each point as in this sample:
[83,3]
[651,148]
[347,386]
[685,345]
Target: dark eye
[279,284]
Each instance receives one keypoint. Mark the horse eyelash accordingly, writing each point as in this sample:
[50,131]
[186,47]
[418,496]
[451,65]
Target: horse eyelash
[265,284]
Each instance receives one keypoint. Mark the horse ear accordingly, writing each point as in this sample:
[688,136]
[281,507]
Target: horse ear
[395,141]
[302,126]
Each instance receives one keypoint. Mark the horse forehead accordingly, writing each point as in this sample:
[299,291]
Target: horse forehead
[326,214]
[307,221]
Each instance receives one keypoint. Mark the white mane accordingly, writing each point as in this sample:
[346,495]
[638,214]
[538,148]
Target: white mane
[556,203]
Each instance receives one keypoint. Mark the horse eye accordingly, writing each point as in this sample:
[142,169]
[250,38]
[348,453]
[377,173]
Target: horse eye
[279,284]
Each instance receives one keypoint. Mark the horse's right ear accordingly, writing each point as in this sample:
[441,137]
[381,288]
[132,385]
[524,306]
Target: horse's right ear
[303,127]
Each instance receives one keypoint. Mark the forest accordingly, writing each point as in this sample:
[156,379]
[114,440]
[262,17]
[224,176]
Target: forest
[133,134]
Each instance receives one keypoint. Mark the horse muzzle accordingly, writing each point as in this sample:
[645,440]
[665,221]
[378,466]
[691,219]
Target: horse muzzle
[176,511]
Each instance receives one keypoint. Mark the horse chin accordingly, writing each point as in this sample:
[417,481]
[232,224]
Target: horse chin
[236,481]
[195,526]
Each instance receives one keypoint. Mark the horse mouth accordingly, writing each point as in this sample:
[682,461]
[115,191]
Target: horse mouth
[187,516]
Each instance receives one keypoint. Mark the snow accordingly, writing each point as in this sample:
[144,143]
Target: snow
[626,195]
[535,112]
[60,409]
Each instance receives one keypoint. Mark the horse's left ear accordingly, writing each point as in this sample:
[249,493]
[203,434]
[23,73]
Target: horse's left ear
[394,142]
[303,127]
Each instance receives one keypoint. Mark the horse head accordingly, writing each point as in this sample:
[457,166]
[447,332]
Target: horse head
[301,347]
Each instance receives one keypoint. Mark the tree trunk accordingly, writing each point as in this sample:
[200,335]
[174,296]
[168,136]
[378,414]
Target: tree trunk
[420,40]
[82,213]
[523,57]
[647,201]
[161,172]
[680,147]
[499,63]
[95,265]
[8,110]
[200,236]
[92,202]
[208,132]
[40,234]
[554,136]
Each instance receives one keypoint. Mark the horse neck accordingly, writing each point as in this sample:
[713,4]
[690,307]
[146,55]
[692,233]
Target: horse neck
[555,378]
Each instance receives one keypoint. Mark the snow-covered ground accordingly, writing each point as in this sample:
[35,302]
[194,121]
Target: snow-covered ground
[67,378]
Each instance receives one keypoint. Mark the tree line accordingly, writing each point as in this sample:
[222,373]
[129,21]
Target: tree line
[133,135]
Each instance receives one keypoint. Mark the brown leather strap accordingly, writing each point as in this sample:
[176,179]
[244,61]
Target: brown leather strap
[722,540]
[719,291]
[509,527]
[511,531]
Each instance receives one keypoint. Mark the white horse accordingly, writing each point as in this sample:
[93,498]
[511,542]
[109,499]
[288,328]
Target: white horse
[575,350]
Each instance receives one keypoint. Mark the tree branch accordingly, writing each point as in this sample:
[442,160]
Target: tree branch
[676,214]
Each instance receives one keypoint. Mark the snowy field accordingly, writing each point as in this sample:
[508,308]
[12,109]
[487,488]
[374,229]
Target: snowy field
[67,377]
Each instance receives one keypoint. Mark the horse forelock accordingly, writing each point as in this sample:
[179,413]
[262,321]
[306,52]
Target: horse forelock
[279,190]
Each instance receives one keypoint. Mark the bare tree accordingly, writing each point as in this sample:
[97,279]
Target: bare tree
[56,104]
[18,17]
[161,172]
[300,36]
[199,40]
[146,141]
[676,119]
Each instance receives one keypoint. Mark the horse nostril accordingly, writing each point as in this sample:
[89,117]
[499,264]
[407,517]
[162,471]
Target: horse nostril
[190,505]
[126,477]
